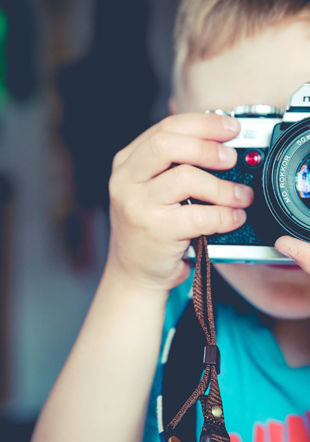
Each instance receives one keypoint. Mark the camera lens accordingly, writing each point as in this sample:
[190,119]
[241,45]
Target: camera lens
[303,182]
[286,180]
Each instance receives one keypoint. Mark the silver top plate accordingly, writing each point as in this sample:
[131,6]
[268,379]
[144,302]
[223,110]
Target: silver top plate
[244,255]
[255,133]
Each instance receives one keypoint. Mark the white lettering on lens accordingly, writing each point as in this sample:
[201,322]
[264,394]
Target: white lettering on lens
[303,140]
[282,171]
[286,197]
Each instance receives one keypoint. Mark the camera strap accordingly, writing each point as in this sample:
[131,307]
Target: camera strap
[214,429]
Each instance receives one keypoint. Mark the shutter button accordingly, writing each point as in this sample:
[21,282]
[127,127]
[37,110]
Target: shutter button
[253,158]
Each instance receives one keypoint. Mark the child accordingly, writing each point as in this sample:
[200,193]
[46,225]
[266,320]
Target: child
[229,52]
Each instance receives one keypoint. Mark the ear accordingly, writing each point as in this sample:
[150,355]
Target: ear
[172,106]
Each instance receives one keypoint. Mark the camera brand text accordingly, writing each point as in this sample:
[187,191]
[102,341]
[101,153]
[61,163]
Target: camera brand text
[303,140]
[282,178]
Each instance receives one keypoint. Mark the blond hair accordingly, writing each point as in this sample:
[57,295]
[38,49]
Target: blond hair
[204,28]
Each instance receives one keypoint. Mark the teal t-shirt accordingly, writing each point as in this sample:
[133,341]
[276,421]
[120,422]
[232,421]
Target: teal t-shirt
[264,399]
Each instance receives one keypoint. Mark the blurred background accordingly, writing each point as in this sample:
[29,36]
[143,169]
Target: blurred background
[79,79]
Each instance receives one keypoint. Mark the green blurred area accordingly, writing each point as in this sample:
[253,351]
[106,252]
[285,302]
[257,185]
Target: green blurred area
[3,61]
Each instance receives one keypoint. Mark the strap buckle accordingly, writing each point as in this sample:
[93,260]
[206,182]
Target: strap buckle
[211,356]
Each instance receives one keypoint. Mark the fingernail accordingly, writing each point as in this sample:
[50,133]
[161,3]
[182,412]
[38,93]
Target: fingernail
[243,193]
[231,124]
[227,154]
[240,216]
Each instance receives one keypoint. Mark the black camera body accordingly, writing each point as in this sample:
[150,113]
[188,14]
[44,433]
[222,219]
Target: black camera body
[274,159]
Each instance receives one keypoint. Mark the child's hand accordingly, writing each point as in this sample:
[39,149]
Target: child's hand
[151,230]
[296,249]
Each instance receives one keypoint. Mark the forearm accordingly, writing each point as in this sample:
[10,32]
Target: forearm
[102,392]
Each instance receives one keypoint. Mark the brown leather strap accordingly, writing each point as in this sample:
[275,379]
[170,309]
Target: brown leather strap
[214,429]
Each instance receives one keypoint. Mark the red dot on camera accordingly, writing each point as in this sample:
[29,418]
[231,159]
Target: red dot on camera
[253,158]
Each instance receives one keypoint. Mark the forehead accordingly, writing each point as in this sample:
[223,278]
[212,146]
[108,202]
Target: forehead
[264,69]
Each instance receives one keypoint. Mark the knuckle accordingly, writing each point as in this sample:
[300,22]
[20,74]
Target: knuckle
[128,205]
[226,220]
[203,151]
[166,123]
[198,220]
[219,188]
[114,187]
[221,219]
[117,159]
[212,118]
[183,173]
[131,211]
[228,192]
[158,143]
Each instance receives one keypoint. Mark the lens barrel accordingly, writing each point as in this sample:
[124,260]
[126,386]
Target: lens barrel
[286,180]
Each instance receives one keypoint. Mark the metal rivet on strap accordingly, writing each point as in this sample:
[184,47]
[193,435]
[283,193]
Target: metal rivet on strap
[174,439]
[217,411]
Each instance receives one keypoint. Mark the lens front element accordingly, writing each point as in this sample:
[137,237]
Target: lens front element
[303,182]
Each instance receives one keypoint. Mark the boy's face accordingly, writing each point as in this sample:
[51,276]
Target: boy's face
[265,69]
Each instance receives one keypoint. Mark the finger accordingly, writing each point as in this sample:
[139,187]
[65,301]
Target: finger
[208,126]
[165,148]
[122,156]
[296,249]
[184,181]
[188,222]
[199,125]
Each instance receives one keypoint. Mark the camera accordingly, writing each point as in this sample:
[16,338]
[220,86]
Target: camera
[273,150]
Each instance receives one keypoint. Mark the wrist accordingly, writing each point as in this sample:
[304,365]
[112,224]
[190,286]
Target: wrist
[126,284]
